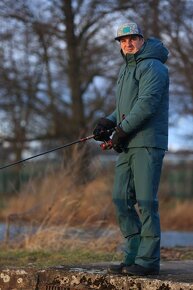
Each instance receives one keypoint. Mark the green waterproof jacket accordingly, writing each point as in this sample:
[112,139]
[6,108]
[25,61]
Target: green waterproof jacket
[142,96]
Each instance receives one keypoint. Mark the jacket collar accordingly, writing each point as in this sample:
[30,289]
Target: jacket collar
[129,58]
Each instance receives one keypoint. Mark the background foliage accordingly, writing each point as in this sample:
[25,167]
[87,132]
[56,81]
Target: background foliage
[59,63]
[58,68]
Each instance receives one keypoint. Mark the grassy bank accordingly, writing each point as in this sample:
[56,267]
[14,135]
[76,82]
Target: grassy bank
[42,258]
[53,258]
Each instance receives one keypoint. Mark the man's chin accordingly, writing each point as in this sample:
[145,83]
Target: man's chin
[130,52]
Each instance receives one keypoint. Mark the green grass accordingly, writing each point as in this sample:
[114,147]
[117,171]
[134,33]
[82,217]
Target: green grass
[20,258]
[42,259]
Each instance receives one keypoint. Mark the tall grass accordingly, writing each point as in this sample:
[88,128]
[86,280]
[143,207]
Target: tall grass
[56,204]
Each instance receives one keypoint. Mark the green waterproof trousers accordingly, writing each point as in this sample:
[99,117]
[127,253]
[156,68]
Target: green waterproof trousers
[137,176]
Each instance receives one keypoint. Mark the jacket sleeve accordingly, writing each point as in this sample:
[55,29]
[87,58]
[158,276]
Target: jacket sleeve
[152,85]
[113,117]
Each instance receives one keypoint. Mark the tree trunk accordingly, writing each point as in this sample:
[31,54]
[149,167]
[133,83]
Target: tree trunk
[73,70]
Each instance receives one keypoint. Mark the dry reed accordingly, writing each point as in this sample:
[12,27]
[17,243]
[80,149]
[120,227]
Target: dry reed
[56,204]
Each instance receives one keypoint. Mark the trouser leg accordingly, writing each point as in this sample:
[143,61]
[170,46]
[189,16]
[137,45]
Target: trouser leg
[124,200]
[146,167]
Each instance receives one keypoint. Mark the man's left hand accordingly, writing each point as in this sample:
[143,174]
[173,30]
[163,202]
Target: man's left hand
[119,139]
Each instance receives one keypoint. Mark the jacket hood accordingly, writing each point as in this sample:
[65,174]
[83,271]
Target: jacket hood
[152,48]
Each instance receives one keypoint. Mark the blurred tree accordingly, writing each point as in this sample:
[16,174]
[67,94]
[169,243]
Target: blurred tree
[55,85]
[59,63]
[179,37]
[18,83]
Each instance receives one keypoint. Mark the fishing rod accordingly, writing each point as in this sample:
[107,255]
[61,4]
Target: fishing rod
[49,151]
[106,145]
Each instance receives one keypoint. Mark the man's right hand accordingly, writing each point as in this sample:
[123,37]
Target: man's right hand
[101,132]
[119,139]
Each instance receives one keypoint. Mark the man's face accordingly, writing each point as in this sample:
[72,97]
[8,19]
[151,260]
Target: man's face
[131,44]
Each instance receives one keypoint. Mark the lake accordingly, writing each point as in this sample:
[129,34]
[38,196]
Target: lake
[169,239]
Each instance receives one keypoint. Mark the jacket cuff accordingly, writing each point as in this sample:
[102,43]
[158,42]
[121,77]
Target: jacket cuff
[126,126]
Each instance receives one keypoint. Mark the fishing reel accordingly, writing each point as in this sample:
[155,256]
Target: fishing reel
[107,145]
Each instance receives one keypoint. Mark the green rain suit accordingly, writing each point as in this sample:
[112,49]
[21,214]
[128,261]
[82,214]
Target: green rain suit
[142,112]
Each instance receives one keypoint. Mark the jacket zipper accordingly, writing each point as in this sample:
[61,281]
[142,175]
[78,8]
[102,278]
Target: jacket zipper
[119,100]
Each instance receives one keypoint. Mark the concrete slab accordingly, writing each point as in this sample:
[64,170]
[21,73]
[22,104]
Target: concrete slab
[174,275]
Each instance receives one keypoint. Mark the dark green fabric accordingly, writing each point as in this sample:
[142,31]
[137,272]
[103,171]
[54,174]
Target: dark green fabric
[137,177]
[142,112]
[142,96]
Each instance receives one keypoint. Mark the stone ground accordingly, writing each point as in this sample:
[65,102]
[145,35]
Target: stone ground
[174,275]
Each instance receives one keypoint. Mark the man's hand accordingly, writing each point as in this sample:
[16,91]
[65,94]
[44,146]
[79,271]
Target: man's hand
[101,130]
[119,139]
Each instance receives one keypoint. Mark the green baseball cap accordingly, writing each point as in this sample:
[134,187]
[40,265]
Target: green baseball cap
[128,29]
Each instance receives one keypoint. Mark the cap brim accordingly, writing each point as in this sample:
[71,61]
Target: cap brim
[119,37]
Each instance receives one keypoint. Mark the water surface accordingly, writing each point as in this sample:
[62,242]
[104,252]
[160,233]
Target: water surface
[169,239]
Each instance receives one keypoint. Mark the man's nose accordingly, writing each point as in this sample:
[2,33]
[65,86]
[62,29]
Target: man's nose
[128,40]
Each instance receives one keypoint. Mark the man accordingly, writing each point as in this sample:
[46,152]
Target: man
[141,137]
